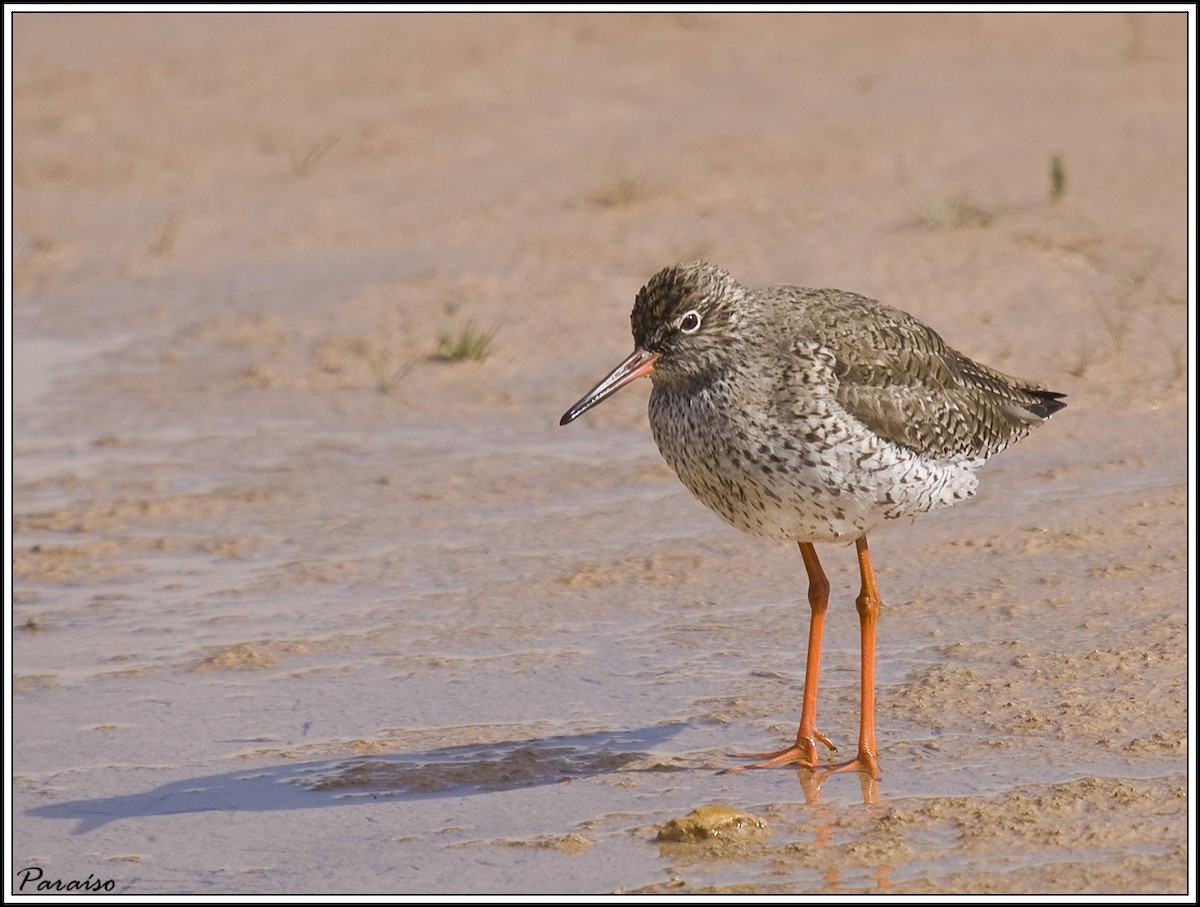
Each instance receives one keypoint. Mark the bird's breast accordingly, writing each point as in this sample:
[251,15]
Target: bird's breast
[812,473]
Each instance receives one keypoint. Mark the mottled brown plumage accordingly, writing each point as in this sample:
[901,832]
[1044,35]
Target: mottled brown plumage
[814,415]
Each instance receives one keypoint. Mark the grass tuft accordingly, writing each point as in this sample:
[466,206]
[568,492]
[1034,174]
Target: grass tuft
[622,192]
[466,345]
[956,213]
[387,376]
[1058,179]
[305,162]
[1083,359]
[167,235]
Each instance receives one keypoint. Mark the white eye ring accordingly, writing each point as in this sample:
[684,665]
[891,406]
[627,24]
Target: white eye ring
[690,322]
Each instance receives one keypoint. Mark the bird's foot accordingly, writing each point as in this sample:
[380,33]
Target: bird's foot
[803,753]
[865,762]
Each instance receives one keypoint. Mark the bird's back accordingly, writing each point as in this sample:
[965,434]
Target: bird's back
[897,377]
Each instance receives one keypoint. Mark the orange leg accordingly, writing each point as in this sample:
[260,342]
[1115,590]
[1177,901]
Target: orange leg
[804,751]
[867,602]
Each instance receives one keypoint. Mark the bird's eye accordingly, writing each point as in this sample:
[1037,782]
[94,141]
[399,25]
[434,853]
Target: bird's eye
[690,322]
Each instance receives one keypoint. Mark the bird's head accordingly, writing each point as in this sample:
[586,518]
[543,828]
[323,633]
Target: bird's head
[681,320]
[685,314]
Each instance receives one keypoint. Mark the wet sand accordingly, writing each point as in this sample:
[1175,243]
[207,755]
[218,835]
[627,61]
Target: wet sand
[299,606]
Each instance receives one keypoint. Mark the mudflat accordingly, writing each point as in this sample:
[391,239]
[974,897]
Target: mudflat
[311,593]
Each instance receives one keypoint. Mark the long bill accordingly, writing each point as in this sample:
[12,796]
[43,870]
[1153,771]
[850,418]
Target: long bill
[639,364]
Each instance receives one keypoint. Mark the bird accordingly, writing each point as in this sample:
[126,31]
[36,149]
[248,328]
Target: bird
[814,416]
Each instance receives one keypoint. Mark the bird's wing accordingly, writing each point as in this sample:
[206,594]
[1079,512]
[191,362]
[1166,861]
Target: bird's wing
[899,378]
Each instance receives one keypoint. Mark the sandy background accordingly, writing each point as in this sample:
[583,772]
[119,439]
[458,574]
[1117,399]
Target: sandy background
[300,607]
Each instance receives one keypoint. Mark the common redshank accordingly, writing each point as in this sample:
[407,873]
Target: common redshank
[814,416]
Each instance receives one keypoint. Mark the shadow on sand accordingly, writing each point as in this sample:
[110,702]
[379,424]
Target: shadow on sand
[450,771]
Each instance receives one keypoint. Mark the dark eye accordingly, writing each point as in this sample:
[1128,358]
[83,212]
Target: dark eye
[690,322]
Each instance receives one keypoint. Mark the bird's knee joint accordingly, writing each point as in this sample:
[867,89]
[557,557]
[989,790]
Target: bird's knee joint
[867,604]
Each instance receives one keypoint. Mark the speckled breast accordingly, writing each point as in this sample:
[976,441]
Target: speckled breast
[821,476]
